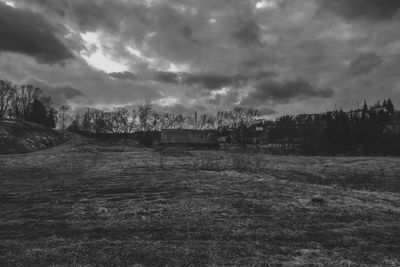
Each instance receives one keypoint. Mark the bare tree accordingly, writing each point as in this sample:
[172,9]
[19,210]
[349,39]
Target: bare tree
[155,121]
[86,124]
[102,121]
[192,121]
[179,121]
[238,116]
[168,120]
[124,121]
[22,99]
[6,92]
[62,116]
[46,101]
[144,113]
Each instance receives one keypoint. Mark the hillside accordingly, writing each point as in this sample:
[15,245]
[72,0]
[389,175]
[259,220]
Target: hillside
[23,137]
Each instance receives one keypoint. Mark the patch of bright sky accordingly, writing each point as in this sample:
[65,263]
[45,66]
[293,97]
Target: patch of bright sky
[8,2]
[137,53]
[266,4]
[150,2]
[98,58]
[168,101]
[222,91]
[173,67]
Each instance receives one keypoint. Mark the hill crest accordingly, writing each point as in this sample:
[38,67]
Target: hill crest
[22,137]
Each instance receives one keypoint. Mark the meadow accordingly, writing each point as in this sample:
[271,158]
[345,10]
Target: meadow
[93,203]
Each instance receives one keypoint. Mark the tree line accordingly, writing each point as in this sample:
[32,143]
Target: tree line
[145,118]
[26,103]
[371,130]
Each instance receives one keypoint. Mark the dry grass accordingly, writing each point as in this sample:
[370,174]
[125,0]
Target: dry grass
[24,137]
[117,206]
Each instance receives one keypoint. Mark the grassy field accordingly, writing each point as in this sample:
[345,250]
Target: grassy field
[87,203]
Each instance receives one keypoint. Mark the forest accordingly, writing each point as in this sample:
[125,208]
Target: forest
[26,103]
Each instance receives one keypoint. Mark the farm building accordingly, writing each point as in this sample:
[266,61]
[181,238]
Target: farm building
[197,138]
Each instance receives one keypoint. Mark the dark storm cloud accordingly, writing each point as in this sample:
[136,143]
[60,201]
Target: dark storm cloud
[267,111]
[375,10]
[365,63]
[218,81]
[58,6]
[248,33]
[187,50]
[166,77]
[89,15]
[125,75]
[210,81]
[28,33]
[69,92]
[271,91]
[261,74]
[202,80]
[61,94]
[187,32]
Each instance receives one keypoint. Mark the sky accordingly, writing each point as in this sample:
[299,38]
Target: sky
[280,56]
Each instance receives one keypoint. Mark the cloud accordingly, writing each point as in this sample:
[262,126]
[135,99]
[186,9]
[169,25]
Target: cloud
[166,77]
[269,91]
[126,75]
[25,32]
[365,63]
[61,94]
[248,33]
[187,32]
[373,10]
[202,80]
[210,81]
[214,54]
[180,109]
[88,15]
[267,111]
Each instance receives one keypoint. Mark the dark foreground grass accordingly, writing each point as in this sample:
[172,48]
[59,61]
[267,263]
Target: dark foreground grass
[82,204]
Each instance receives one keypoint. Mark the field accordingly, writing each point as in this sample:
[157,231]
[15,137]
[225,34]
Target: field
[88,203]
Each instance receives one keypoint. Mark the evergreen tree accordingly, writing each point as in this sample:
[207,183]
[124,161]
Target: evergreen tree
[51,118]
[390,107]
[38,113]
[364,110]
